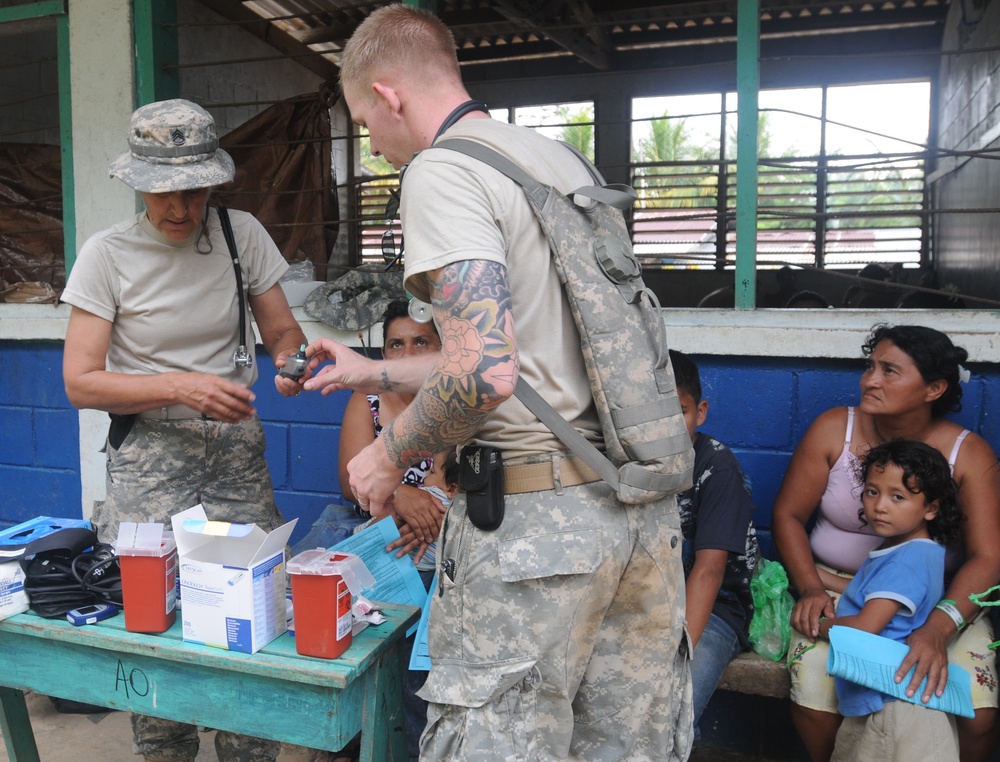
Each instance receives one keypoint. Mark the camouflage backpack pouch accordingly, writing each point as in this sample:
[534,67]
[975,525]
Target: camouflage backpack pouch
[621,331]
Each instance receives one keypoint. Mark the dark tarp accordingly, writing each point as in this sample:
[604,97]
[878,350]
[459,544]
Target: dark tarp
[283,177]
[31,231]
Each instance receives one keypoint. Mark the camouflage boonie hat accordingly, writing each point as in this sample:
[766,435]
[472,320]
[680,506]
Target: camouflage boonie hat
[173,146]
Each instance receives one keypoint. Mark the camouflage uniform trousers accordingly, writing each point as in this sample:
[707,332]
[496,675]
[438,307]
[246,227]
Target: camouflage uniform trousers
[165,467]
[162,468]
[165,740]
[561,634]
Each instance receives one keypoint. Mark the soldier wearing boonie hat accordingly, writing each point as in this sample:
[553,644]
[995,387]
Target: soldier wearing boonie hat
[159,306]
[173,146]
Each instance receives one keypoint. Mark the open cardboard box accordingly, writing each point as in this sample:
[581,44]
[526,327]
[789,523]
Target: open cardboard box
[232,579]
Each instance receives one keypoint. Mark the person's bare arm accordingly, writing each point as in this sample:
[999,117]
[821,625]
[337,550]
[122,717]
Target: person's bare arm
[832,581]
[90,385]
[978,478]
[476,371]
[702,588]
[357,431]
[873,618]
[348,369]
[800,493]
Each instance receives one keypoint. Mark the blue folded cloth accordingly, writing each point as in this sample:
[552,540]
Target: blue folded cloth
[872,661]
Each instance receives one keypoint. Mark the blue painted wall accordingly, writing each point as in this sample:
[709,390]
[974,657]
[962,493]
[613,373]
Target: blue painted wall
[40,440]
[759,407]
[39,435]
[302,436]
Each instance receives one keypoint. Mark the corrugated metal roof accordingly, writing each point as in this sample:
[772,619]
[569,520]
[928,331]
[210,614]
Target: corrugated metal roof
[590,35]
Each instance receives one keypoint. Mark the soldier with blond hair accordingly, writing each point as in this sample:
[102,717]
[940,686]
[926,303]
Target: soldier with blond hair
[557,633]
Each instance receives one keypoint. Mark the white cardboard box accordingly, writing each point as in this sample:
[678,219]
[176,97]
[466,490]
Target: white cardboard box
[13,599]
[232,580]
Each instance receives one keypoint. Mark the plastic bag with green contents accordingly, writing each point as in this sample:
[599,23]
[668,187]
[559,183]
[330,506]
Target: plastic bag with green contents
[770,628]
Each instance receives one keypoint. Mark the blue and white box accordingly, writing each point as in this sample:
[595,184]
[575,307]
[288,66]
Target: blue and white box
[232,579]
[13,598]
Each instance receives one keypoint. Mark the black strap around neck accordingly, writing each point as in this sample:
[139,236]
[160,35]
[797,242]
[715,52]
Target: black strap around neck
[227,233]
[466,108]
[392,205]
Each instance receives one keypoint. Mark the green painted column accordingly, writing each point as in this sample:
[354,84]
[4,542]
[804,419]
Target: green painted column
[747,87]
[155,31]
[23,11]
[66,143]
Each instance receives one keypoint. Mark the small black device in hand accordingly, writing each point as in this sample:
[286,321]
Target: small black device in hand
[480,476]
[295,365]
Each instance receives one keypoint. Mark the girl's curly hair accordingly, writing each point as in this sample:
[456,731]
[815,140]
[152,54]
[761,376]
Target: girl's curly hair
[925,470]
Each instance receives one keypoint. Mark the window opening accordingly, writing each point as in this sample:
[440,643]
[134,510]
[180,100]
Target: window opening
[32,255]
[841,178]
[378,181]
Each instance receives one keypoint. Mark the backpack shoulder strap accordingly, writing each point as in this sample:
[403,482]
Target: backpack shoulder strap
[531,399]
[582,447]
[618,196]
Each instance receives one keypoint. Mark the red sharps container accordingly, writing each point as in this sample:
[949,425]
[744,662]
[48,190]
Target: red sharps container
[322,584]
[148,559]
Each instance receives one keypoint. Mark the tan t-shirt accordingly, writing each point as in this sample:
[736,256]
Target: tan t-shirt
[455,208]
[173,307]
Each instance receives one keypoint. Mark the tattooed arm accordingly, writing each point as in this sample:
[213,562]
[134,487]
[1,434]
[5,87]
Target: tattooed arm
[475,372]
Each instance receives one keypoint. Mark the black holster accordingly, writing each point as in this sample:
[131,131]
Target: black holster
[121,425]
[480,476]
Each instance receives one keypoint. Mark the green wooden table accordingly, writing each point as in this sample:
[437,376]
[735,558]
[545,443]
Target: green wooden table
[274,693]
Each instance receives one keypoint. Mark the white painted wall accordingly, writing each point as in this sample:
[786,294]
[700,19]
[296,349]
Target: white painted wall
[257,76]
[102,83]
[102,78]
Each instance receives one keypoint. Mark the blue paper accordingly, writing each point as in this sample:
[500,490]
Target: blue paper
[420,656]
[871,660]
[396,579]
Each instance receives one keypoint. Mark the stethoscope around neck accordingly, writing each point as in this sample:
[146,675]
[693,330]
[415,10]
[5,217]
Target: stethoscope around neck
[242,358]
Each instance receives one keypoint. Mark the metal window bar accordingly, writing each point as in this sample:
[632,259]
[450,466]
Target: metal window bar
[873,211]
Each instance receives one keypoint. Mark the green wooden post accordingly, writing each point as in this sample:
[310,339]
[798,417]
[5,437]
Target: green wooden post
[33,10]
[155,32]
[66,144]
[16,726]
[747,87]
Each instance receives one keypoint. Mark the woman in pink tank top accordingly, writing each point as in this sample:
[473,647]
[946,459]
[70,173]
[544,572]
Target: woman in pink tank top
[911,381]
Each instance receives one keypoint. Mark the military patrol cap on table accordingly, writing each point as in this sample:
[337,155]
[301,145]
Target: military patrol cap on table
[173,146]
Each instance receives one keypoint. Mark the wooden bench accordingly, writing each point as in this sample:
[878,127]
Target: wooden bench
[274,693]
[754,675]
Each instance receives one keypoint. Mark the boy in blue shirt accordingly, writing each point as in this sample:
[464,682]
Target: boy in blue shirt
[720,545]
[909,499]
